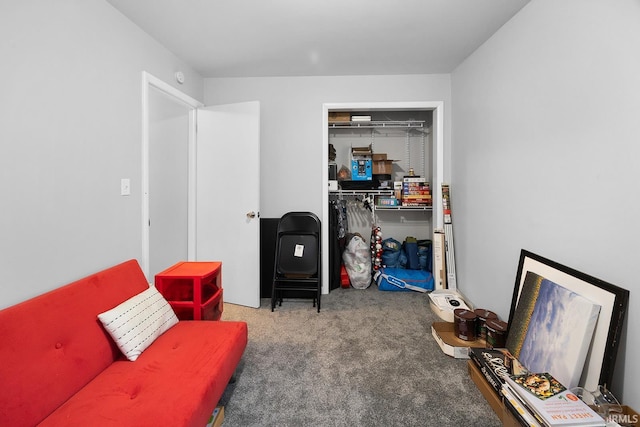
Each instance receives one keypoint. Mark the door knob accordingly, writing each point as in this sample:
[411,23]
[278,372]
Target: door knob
[251,215]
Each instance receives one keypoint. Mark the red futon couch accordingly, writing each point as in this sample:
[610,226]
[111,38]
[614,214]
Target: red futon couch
[60,367]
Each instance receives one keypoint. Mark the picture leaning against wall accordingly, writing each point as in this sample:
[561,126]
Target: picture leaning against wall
[572,306]
[552,329]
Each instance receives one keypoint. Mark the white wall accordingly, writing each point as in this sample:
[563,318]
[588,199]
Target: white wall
[70,129]
[291,125]
[545,151]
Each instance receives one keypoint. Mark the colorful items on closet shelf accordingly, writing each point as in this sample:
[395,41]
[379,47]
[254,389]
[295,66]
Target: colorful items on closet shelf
[416,191]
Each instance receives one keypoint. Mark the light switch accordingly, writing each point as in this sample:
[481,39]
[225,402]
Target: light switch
[125,187]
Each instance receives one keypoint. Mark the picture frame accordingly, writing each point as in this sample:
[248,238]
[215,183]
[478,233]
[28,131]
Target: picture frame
[613,300]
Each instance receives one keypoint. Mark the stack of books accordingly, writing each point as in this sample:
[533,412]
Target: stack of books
[539,399]
[535,399]
[495,364]
[416,191]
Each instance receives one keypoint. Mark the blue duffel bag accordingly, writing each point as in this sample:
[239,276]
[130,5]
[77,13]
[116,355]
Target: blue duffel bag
[410,247]
[391,249]
[400,279]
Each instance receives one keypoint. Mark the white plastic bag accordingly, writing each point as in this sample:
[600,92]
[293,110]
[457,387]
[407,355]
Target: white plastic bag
[357,261]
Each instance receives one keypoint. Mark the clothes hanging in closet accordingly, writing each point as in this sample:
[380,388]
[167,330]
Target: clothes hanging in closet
[338,227]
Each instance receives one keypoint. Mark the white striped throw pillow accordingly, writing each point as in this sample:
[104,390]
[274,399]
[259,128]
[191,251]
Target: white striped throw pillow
[137,322]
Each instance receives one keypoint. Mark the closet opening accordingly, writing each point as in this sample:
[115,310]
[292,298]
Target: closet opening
[370,152]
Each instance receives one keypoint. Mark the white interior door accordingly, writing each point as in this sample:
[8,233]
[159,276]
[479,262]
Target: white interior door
[228,197]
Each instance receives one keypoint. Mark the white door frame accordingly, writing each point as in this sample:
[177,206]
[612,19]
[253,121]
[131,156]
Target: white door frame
[151,82]
[437,157]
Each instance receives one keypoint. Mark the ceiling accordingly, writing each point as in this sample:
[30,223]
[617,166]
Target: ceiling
[259,38]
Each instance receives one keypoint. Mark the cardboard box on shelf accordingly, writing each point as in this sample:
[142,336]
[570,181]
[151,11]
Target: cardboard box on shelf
[362,151]
[339,116]
[450,344]
[379,156]
[382,167]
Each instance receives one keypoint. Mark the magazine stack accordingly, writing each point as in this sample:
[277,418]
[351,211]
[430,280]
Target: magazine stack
[535,399]
[538,399]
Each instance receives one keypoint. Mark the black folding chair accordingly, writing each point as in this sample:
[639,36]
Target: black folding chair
[297,257]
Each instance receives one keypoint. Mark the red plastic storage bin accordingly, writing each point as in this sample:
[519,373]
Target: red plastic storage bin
[194,289]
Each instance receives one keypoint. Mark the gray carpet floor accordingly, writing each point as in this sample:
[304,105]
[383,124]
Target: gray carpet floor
[367,359]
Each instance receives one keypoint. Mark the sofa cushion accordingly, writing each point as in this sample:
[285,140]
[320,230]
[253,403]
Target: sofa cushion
[176,382]
[138,321]
[53,344]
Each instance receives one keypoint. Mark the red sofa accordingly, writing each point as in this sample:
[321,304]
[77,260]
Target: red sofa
[59,367]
